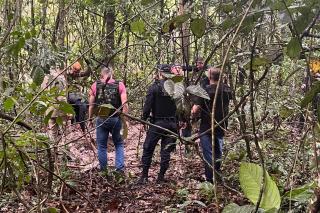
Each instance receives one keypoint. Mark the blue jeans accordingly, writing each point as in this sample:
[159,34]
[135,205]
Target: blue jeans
[104,127]
[206,145]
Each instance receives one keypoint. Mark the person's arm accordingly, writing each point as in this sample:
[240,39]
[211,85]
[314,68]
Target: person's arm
[92,99]
[123,97]
[91,106]
[148,104]
[195,110]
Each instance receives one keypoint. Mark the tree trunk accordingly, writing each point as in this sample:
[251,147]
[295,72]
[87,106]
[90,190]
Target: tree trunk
[159,33]
[109,20]
[59,31]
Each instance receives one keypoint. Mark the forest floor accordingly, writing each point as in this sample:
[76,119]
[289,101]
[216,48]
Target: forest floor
[185,191]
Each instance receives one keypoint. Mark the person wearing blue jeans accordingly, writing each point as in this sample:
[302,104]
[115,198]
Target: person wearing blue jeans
[206,146]
[108,91]
[204,107]
[104,127]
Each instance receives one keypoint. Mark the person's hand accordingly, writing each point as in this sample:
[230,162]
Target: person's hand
[91,125]
[182,125]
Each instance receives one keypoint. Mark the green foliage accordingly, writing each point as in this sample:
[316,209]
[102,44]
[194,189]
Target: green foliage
[198,27]
[146,2]
[226,7]
[104,110]
[206,190]
[234,208]
[294,48]
[48,117]
[315,89]
[15,48]
[37,75]
[301,194]
[66,107]
[197,90]
[137,26]
[279,5]
[182,194]
[52,210]
[250,176]
[257,62]
[9,103]
[285,111]
[175,22]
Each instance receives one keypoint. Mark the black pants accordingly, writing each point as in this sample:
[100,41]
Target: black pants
[80,109]
[168,144]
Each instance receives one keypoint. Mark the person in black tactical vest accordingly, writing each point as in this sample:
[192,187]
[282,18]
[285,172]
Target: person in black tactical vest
[112,92]
[221,110]
[163,113]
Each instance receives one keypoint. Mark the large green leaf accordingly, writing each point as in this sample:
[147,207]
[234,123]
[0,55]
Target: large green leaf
[197,90]
[178,90]
[301,194]
[315,89]
[234,208]
[37,75]
[175,22]
[294,48]
[137,26]
[9,103]
[198,27]
[250,176]
[285,111]
[104,110]
[66,107]
[257,62]
[169,87]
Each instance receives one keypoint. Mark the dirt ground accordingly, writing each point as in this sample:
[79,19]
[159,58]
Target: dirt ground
[184,192]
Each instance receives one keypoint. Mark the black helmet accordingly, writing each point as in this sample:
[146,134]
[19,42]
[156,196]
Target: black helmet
[166,68]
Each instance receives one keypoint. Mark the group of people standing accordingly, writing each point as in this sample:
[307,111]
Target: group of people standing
[160,109]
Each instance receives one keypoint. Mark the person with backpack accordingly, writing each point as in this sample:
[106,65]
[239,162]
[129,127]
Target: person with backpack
[108,97]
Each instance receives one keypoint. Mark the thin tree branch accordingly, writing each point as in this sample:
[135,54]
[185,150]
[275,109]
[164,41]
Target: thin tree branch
[21,123]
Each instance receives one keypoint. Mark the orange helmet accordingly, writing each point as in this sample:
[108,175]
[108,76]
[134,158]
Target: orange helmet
[76,66]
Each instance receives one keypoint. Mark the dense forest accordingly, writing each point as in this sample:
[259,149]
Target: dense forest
[268,52]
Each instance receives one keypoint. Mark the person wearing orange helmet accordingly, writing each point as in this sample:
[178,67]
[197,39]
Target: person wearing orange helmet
[75,92]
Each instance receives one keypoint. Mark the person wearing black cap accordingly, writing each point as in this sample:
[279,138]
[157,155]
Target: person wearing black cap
[163,110]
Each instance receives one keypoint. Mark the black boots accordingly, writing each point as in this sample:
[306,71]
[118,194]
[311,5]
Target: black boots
[142,180]
[144,177]
[160,178]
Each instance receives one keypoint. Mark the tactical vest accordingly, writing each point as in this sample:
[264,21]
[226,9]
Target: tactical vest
[164,105]
[108,94]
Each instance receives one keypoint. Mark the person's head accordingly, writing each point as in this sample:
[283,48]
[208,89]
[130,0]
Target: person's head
[200,63]
[76,67]
[214,74]
[161,69]
[106,73]
[176,70]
